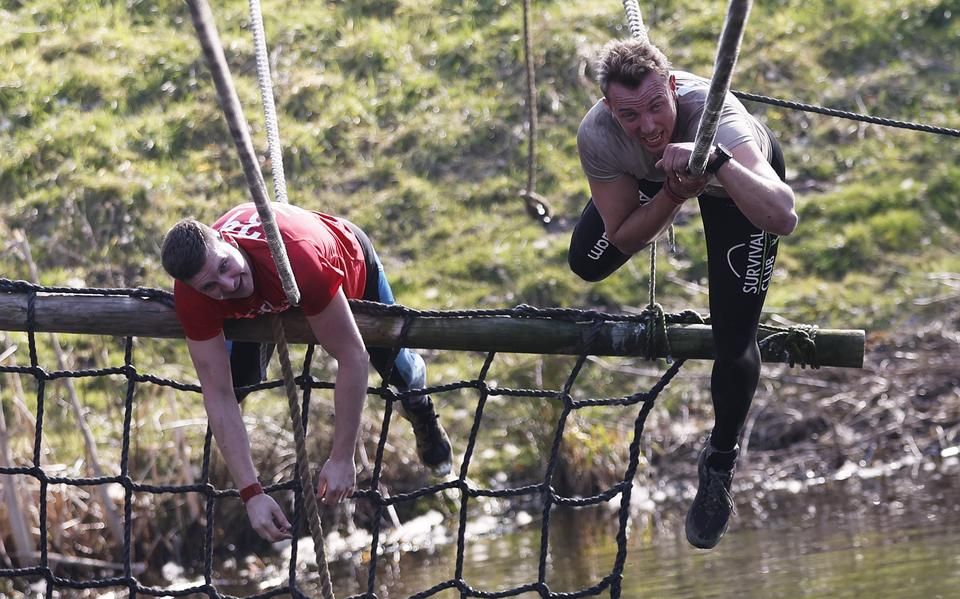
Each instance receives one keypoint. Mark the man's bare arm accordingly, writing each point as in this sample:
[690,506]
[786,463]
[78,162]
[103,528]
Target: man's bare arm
[337,332]
[212,362]
[630,224]
[751,183]
[754,186]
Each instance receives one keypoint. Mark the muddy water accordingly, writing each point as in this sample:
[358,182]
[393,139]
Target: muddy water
[885,537]
[874,538]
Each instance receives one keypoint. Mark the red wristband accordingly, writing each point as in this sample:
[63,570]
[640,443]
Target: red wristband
[250,491]
[671,195]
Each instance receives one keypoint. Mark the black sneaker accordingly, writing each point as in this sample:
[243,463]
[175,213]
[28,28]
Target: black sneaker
[710,512]
[433,445]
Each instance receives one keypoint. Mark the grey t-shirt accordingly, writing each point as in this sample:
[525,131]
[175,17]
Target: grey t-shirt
[607,152]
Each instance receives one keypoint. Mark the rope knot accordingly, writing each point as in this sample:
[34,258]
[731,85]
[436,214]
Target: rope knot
[688,317]
[797,343]
[657,341]
[526,311]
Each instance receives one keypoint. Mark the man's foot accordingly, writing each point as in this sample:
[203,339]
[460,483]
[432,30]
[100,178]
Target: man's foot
[710,512]
[433,445]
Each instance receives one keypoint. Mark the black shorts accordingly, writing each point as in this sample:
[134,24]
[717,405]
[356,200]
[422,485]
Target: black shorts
[370,260]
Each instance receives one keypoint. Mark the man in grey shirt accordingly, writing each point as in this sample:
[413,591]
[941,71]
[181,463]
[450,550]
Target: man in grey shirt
[635,144]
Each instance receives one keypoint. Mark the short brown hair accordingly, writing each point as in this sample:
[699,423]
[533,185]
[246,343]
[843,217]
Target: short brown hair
[628,61]
[185,248]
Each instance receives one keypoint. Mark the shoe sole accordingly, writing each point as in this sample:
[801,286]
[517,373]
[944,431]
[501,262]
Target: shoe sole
[441,469]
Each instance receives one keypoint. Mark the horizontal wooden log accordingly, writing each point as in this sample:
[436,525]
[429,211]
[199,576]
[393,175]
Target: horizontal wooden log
[127,316]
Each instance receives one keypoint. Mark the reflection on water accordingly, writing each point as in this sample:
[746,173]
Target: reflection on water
[855,539]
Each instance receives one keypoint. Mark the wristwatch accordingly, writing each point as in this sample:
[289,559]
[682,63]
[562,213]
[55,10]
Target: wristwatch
[720,157]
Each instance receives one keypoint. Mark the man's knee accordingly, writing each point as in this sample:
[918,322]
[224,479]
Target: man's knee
[411,369]
[738,358]
[584,269]
[592,256]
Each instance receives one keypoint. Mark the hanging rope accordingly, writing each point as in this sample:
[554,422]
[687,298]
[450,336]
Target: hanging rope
[727,52]
[639,31]
[537,206]
[307,484]
[307,487]
[270,120]
[230,104]
[213,50]
[634,20]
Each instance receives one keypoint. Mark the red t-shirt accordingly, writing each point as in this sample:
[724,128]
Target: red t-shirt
[323,252]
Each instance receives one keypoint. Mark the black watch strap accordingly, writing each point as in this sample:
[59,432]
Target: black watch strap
[720,157]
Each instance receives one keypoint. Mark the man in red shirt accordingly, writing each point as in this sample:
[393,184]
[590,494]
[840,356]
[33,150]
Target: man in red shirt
[226,271]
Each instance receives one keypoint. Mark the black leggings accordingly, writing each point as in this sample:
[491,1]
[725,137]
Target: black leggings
[740,259]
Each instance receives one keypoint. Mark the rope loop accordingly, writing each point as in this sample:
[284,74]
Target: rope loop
[656,332]
[526,311]
[797,343]
[688,317]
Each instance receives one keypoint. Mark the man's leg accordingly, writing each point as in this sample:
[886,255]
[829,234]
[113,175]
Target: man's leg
[740,261]
[740,264]
[591,255]
[408,371]
[246,365]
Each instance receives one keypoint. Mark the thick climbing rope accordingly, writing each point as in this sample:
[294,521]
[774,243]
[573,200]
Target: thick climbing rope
[727,52]
[639,32]
[265,81]
[213,50]
[230,104]
[307,485]
[307,489]
[635,20]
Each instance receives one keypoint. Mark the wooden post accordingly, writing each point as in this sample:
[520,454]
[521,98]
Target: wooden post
[23,544]
[122,316]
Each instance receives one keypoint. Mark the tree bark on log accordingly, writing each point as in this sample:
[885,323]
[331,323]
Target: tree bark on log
[128,316]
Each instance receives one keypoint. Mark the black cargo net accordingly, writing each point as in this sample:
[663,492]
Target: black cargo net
[542,493]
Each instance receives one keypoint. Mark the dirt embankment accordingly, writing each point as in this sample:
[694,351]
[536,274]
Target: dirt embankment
[900,412]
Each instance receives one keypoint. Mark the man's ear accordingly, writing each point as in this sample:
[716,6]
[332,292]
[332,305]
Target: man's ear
[606,104]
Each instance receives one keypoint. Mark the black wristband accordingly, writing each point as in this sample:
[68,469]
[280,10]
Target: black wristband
[721,156]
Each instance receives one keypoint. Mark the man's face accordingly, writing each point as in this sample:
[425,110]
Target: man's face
[225,274]
[647,113]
